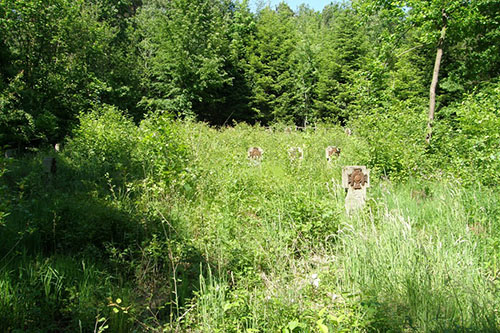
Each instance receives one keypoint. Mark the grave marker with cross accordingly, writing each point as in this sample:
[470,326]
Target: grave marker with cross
[355,179]
[255,155]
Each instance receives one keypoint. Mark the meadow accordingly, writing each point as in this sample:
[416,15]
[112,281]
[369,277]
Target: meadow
[168,226]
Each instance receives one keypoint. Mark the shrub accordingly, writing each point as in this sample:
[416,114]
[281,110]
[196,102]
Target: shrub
[158,150]
[395,135]
[103,143]
[470,143]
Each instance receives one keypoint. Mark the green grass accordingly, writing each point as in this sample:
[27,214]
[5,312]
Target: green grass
[228,245]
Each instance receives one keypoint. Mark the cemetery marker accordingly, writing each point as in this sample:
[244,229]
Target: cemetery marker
[332,151]
[356,179]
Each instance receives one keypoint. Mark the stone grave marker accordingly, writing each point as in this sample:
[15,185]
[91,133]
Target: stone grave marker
[295,153]
[331,152]
[255,154]
[49,165]
[355,179]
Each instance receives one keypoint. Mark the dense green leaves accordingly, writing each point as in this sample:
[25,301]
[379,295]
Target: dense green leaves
[364,64]
[59,57]
[184,45]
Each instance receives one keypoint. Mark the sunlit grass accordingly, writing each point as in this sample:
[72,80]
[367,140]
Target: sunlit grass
[232,245]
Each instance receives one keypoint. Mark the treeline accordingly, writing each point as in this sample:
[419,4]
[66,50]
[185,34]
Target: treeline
[367,64]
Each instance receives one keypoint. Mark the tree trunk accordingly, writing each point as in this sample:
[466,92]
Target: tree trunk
[435,76]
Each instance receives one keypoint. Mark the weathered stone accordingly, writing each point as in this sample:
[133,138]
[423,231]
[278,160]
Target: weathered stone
[356,179]
[331,152]
[295,153]
[49,165]
[255,154]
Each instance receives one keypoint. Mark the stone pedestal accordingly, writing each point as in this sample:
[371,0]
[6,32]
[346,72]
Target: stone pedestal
[355,179]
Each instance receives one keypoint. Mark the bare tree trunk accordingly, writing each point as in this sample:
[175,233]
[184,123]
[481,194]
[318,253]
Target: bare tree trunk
[435,77]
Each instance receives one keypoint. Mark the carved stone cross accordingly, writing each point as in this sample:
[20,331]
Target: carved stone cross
[355,179]
[255,152]
[255,155]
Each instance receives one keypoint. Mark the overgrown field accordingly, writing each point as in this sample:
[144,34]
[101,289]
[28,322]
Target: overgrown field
[168,226]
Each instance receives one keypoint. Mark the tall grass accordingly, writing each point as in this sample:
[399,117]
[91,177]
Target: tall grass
[206,240]
[419,260]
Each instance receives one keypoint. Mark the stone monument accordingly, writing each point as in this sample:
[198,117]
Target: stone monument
[255,154]
[355,179]
[332,151]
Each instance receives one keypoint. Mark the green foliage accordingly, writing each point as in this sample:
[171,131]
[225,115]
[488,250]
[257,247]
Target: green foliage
[270,63]
[183,44]
[57,293]
[159,152]
[416,257]
[396,147]
[154,224]
[211,241]
[60,58]
[16,125]
[469,144]
[103,143]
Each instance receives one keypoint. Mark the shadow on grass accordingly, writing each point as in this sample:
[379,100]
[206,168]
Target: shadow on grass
[72,245]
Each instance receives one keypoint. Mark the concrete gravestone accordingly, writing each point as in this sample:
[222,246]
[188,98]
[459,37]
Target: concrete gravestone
[356,179]
[255,154]
[331,152]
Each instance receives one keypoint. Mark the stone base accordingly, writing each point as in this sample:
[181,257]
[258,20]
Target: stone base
[355,200]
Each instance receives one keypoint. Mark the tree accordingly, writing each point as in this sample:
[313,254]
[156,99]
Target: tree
[60,55]
[184,46]
[341,56]
[438,23]
[271,49]
[304,66]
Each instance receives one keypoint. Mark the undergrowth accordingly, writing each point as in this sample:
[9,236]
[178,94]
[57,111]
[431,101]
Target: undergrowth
[167,226]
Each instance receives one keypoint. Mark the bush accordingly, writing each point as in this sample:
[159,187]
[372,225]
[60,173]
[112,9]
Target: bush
[103,143]
[395,135]
[158,150]
[469,144]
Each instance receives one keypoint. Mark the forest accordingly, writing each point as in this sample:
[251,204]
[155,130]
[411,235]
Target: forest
[152,217]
